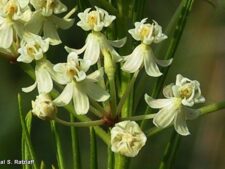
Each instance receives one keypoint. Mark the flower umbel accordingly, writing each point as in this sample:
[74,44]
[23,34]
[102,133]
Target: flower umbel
[127,138]
[173,109]
[43,107]
[143,54]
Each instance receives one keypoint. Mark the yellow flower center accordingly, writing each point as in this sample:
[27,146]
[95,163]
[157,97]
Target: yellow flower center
[186,91]
[11,8]
[145,31]
[92,18]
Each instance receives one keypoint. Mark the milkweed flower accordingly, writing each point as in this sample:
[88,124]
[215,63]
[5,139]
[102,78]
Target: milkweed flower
[32,47]
[143,54]
[127,138]
[12,20]
[43,107]
[96,42]
[44,19]
[79,86]
[175,108]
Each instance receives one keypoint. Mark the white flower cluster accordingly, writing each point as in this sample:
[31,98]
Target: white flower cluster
[31,32]
[184,92]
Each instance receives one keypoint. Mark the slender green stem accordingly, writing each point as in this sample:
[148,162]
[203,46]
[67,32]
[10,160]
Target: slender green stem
[98,107]
[93,150]
[59,151]
[26,134]
[121,162]
[79,124]
[140,117]
[75,146]
[110,160]
[203,111]
[170,151]
[95,111]
[112,87]
[126,94]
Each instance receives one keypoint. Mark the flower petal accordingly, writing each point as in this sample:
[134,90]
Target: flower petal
[43,78]
[80,100]
[30,88]
[157,103]
[95,92]
[151,67]
[36,23]
[96,75]
[167,91]
[65,97]
[133,61]
[180,124]
[62,23]
[92,51]
[118,43]
[6,35]
[164,117]
[50,31]
[164,63]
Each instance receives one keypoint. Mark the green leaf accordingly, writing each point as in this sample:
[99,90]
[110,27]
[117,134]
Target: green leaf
[42,165]
[26,136]
[93,150]
[59,151]
[170,151]
[174,31]
[75,146]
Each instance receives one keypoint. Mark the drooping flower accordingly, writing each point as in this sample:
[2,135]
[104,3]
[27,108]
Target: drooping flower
[12,20]
[45,21]
[96,42]
[127,138]
[79,86]
[143,54]
[32,47]
[43,107]
[173,109]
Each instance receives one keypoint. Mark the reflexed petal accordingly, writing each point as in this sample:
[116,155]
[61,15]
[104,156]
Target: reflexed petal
[118,43]
[44,80]
[151,67]
[167,91]
[62,23]
[36,23]
[80,76]
[80,101]
[60,7]
[115,56]
[95,92]
[164,63]
[92,51]
[133,61]
[65,97]
[30,88]
[60,67]
[78,51]
[164,117]
[50,31]
[23,3]
[85,65]
[157,103]
[6,35]
[191,113]
[175,89]
[180,124]
[96,75]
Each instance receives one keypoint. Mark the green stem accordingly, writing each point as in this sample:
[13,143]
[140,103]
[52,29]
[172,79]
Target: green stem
[203,111]
[140,117]
[121,162]
[126,94]
[95,111]
[112,87]
[110,160]
[93,150]
[26,134]
[170,151]
[59,152]
[75,146]
[79,124]
[98,107]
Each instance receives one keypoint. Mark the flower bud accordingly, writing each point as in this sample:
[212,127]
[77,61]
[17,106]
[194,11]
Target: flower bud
[127,138]
[43,107]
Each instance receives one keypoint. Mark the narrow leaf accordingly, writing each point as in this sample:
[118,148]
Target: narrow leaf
[42,165]
[93,150]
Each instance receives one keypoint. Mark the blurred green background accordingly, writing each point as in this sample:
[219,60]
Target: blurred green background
[200,56]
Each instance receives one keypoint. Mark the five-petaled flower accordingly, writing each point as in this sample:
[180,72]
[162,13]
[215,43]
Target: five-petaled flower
[173,109]
[127,138]
[143,54]
[79,86]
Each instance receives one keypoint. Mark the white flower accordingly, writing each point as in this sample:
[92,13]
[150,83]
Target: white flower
[147,33]
[127,138]
[94,20]
[32,47]
[96,43]
[188,90]
[45,21]
[172,109]
[12,18]
[43,107]
[44,74]
[79,86]
[143,55]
